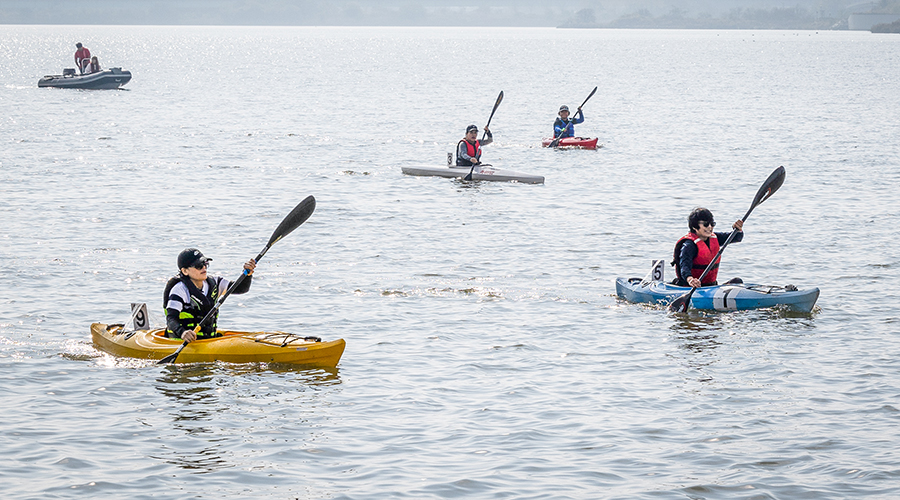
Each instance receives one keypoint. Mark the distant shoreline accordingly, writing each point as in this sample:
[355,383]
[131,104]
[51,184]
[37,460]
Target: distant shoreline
[883,28]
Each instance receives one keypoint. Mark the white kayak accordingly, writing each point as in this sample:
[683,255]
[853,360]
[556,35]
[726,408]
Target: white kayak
[480,173]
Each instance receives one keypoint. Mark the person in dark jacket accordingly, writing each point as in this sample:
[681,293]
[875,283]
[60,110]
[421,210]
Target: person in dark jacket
[468,151]
[560,125]
[695,250]
[192,293]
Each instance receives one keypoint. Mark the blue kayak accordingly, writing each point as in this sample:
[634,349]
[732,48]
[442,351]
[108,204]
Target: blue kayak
[728,297]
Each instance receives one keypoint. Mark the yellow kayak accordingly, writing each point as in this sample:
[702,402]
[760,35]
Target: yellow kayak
[231,347]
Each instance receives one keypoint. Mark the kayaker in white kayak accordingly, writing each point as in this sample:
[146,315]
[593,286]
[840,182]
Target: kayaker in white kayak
[468,151]
[192,293]
[695,250]
[559,126]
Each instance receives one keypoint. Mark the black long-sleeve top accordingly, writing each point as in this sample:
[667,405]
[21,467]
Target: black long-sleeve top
[689,253]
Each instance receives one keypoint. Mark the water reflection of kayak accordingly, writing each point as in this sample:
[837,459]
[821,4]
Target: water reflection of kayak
[480,173]
[727,297]
[231,347]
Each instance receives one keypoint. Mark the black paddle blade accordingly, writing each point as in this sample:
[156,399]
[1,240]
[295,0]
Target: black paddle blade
[171,357]
[589,96]
[682,303]
[496,104]
[775,180]
[293,220]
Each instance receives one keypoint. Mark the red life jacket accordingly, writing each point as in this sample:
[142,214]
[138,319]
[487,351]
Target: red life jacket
[705,253]
[473,150]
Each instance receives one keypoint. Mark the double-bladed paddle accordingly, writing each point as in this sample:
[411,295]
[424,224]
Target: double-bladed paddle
[563,131]
[768,188]
[293,220]
[468,176]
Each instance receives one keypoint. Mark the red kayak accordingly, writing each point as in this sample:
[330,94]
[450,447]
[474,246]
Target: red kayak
[573,142]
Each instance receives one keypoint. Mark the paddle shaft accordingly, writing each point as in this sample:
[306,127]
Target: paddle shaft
[563,131]
[468,176]
[231,288]
[722,248]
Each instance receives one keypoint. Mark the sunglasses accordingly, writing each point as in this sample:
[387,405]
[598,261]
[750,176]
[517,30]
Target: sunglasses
[708,224]
[201,265]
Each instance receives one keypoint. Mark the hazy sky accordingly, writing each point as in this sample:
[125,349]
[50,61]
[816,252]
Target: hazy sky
[383,12]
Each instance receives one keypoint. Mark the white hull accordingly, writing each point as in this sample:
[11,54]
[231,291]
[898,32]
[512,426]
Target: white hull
[481,173]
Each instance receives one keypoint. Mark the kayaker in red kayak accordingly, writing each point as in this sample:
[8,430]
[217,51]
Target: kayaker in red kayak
[559,126]
[468,151]
[695,250]
[192,293]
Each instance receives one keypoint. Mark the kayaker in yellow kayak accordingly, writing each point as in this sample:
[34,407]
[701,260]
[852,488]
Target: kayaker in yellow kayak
[191,293]
[695,250]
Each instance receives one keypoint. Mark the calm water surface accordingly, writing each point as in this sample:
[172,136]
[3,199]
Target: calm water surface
[487,355]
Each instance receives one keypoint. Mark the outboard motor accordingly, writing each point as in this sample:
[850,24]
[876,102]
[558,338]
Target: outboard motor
[69,72]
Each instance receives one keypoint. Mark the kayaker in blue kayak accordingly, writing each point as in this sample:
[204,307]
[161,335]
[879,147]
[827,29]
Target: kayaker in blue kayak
[695,250]
[559,126]
[192,293]
[468,151]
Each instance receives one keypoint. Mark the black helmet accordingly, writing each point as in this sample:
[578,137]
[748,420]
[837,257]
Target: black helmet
[471,128]
[190,257]
[563,108]
[699,214]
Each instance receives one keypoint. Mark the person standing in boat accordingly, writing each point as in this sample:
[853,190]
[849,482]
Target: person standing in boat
[82,58]
[468,151]
[695,250]
[191,294]
[559,126]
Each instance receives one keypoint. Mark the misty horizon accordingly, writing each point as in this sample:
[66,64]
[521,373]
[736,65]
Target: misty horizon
[762,14]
